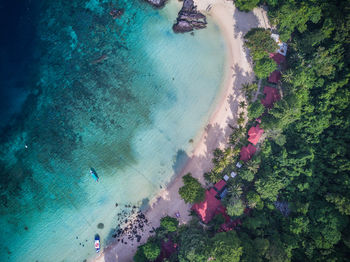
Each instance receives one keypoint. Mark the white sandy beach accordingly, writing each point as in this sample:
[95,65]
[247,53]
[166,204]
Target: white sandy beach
[233,25]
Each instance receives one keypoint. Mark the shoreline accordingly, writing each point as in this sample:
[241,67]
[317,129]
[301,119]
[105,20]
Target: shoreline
[238,70]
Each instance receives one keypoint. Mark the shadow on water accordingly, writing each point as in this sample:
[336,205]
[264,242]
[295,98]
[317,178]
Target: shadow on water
[144,204]
[180,160]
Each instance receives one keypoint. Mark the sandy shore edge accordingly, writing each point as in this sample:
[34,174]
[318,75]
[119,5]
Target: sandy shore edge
[238,70]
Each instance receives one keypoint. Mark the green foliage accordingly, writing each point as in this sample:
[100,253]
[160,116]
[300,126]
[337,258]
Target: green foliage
[194,244]
[255,110]
[192,191]
[305,158]
[169,223]
[295,15]
[222,160]
[139,255]
[260,43]
[246,174]
[237,134]
[226,247]
[269,187]
[147,252]
[232,201]
[253,199]
[235,207]
[249,89]
[151,250]
[246,5]
[261,246]
[217,221]
[264,67]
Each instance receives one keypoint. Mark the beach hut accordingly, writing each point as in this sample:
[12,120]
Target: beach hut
[247,152]
[206,209]
[275,77]
[282,47]
[271,96]
[278,58]
[254,134]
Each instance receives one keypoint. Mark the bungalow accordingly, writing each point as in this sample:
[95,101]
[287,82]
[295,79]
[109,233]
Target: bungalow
[247,152]
[275,77]
[211,205]
[280,55]
[278,58]
[254,134]
[271,96]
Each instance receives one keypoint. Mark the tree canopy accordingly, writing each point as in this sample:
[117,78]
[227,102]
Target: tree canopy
[298,188]
[192,191]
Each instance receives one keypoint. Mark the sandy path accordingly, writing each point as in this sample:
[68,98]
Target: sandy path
[234,25]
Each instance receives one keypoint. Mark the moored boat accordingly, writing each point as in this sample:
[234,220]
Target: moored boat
[94,174]
[97,243]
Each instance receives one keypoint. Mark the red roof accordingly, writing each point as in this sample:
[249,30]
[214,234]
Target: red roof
[247,152]
[230,225]
[219,185]
[166,250]
[254,134]
[271,96]
[279,59]
[206,210]
[275,77]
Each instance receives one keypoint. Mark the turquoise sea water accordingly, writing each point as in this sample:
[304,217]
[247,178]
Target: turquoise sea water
[130,116]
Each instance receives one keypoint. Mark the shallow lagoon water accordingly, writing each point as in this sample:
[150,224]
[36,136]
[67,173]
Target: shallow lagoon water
[123,96]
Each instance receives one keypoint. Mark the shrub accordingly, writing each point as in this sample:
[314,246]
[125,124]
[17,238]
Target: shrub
[260,43]
[264,67]
[151,250]
[255,110]
[235,208]
[246,5]
[169,223]
[253,198]
[192,191]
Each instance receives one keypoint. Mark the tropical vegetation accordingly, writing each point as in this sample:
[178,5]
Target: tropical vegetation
[296,189]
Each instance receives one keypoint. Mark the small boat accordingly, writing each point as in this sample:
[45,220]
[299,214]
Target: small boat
[97,243]
[94,174]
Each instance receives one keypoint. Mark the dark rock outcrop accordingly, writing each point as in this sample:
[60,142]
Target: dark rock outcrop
[189,18]
[156,3]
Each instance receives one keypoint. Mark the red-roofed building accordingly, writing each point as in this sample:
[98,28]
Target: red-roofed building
[271,96]
[278,58]
[254,134]
[247,152]
[211,205]
[220,185]
[167,249]
[275,77]
[206,210]
[230,225]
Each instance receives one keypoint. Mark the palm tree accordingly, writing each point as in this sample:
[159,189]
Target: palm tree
[242,104]
[288,76]
[240,120]
[235,191]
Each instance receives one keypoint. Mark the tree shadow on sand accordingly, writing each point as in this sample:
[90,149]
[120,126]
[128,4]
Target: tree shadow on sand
[240,77]
[244,22]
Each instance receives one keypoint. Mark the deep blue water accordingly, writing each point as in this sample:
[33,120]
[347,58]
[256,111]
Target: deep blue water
[18,53]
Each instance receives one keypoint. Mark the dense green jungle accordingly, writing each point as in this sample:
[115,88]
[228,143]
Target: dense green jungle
[297,186]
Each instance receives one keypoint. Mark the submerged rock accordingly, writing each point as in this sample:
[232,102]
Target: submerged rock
[189,18]
[100,225]
[156,3]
